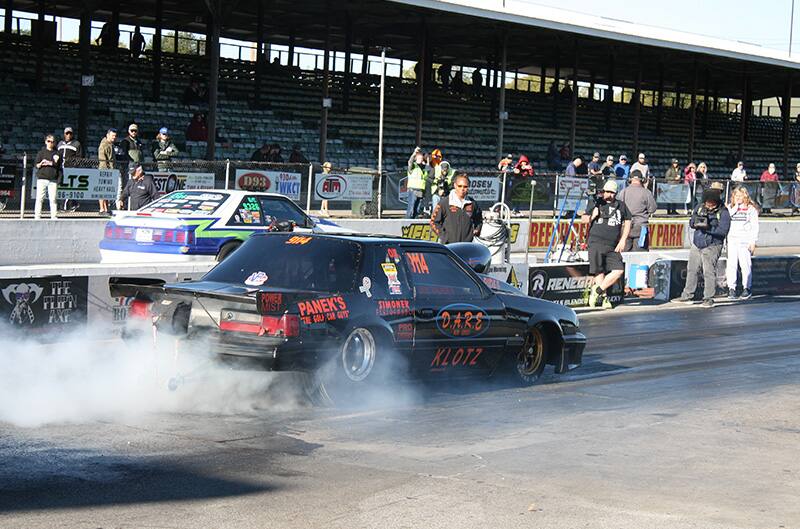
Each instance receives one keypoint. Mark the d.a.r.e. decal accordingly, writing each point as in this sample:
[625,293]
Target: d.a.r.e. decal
[461,319]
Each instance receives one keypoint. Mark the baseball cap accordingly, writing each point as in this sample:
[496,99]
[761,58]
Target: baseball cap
[717,186]
[623,157]
[134,166]
[163,130]
[637,174]
[596,155]
[133,126]
[674,160]
[68,129]
[610,185]
[610,158]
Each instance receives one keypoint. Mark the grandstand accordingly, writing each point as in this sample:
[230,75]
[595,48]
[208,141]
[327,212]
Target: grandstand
[463,127]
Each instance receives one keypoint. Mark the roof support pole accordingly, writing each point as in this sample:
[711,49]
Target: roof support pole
[326,73]
[610,90]
[542,78]
[573,102]
[348,69]
[637,105]
[716,99]
[554,88]
[704,123]
[677,102]
[290,58]
[592,82]
[786,108]
[259,54]
[365,58]
[744,111]
[157,50]
[423,55]
[84,39]
[115,27]
[8,21]
[660,103]
[693,113]
[212,48]
[501,115]
[40,46]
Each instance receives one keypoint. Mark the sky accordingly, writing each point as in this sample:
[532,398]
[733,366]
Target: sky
[764,23]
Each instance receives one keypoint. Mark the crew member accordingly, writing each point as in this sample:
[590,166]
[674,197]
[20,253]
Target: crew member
[457,217]
[609,227]
[442,181]
[642,204]
[140,189]
[710,222]
[416,183]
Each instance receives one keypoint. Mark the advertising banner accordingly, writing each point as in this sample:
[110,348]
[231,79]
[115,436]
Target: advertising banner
[573,191]
[662,235]
[44,305]
[170,181]
[566,284]
[78,183]
[672,193]
[8,176]
[281,182]
[342,186]
[420,230]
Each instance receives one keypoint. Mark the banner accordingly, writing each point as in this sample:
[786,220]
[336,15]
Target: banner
[661,235]
[79,183]
[8,176]
[421,231]
[481,189]
[169,181]
[672,193]
[342,186]
[44,305]
[573,191]
[281,182]
[566,284]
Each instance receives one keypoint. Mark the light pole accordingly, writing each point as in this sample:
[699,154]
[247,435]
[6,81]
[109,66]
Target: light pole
[791,29]
[380,130]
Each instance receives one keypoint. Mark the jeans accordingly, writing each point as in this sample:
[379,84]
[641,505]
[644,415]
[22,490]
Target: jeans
[45,186]
[705,258]
[414,203]
[435,198]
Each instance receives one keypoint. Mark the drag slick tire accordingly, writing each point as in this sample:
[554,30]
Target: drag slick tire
[529,363]
[226,250]
[359,366]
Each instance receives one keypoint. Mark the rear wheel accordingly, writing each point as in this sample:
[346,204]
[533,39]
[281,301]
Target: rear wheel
[227,249]
[530,361]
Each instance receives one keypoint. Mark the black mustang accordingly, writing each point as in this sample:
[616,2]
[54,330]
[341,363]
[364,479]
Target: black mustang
[351,308]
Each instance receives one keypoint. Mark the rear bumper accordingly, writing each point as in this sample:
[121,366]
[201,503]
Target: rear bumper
[267,353]
[572,357]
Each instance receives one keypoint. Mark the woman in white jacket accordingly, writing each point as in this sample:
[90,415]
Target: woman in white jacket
[742,239]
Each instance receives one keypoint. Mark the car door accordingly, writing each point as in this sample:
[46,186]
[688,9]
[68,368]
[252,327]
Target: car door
[459,324]
[392,293]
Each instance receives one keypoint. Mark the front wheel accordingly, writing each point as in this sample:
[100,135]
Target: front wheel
[530,360]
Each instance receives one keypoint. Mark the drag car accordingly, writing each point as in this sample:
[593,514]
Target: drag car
[200,224]
[358,310]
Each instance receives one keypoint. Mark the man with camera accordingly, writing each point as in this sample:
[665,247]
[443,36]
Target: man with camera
[711,222]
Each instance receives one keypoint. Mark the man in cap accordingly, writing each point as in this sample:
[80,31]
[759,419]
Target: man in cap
[595,169]
[140,189]
[164,149]
[710,222]
[108,160]
[642,204]
[608,168]
[132,146]
[442,182]
[69,150]
[641,165]
[622,169]
[609,227]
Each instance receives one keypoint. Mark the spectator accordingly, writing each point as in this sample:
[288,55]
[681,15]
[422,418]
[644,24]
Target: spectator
[609,226]
[458,82]
[477,83]
[444,75]
[261,154]
[132,146]
[673,176]
[739,174]
[622,169]
[506,164]
[742,239]
[108,160]
[137,43]
[769,187]
[195,94]
[109,36]
[164,149]
[524,168]
[47,162]
[197,129]
[416,182]
[794,192]
[702,172]
[296,156]
[140,189]
[69,149]
[323,210]
[457,217]
[553,157]
[436,158]
[642,205]
[572,167]
[642,166]
[595,168]
[442,182]
[275,154]
[608,168]
[564,155]
[690,178]
[711,222]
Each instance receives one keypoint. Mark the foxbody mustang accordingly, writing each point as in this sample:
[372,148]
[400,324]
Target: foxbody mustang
[200,224]
[351,308]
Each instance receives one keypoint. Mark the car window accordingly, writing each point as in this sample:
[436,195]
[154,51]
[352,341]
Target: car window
[292,261]
[436,274]
[283,209]
[182,203]
[248,213]
[388,274]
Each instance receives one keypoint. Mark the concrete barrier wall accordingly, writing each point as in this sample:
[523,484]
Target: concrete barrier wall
[77,241]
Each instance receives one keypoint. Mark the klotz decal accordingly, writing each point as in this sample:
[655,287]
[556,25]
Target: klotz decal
[256,279]
[366,286]
[390,270]
[22,296]
[455,357]
[461,319]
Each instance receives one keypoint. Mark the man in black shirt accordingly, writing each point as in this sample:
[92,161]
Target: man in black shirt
[609,226]
[457,217]
[47,166]
[140,189]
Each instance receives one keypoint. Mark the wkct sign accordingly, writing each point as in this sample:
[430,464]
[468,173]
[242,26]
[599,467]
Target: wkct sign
[342,186]
[281,182]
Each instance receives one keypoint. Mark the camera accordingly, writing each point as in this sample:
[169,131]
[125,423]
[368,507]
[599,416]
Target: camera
[702,219]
